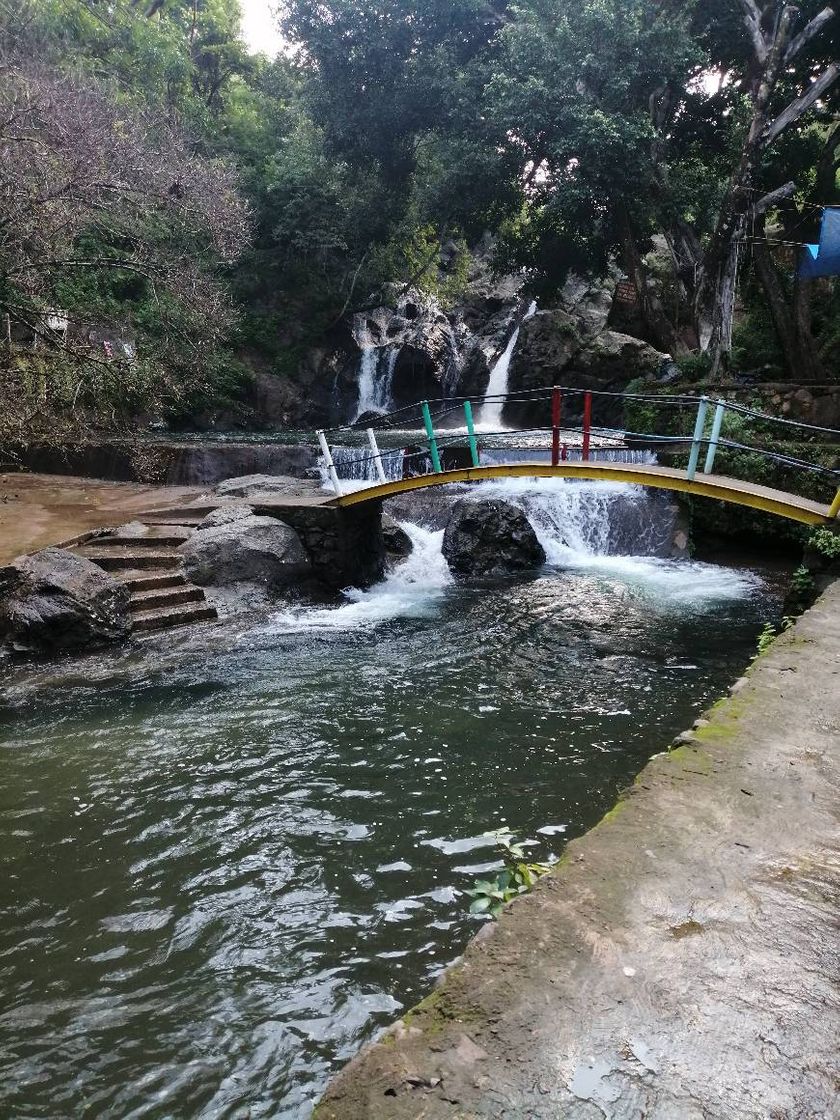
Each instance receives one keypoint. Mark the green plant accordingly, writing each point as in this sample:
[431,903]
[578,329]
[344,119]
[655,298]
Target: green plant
[826,542]
[766,638]
[802,582]
[769,634]
[517,877]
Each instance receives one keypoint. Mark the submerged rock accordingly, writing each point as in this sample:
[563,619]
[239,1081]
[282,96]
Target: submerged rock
[54,601]
[397,541]
[490,538]
[238,547]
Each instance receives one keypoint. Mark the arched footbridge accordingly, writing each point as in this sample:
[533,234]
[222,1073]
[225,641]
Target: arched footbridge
[381,470]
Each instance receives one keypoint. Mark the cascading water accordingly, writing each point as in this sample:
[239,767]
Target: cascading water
[620,532]
[411,590]
[376,379]
[616,532]
[497,387]
[356,464]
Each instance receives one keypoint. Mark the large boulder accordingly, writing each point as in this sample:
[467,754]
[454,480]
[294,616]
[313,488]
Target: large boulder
[397,541]
[612,356]
[236,548]
[558,348]
[266,486]
[490,538]
[54,601]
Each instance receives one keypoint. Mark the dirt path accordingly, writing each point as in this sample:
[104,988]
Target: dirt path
[682,962]
[37,510]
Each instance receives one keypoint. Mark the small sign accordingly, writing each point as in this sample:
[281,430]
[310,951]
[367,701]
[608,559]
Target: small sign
[625,292]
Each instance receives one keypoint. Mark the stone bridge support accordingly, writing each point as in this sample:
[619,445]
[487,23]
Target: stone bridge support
[345,546]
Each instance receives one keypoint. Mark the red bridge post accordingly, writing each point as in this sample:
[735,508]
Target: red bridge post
[556,410]
[587,424]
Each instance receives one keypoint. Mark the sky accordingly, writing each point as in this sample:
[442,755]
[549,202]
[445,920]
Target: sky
[259,26]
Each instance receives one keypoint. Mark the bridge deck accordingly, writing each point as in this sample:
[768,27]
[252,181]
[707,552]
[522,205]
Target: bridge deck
[665,478]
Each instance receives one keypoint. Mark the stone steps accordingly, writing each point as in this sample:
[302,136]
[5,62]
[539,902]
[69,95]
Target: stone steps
[169,617]
[165,597]
[115,559]
[186,520]
[165,537]
[148,581]
[180,515]
[161,597]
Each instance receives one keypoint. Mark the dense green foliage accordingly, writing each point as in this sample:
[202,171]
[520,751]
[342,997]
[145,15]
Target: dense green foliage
[581,134]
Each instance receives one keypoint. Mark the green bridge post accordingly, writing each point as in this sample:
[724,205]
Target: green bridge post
[699,428]
[468,415]
[430,432]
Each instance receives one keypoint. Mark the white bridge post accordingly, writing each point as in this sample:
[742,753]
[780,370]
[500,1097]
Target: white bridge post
[328,462]
[377,456]
[717,424]
[699,428]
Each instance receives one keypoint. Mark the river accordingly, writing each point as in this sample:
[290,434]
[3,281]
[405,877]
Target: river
[229,857]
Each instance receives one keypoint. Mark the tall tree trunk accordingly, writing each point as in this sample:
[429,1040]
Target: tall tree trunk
[715,303]
[791,317]
[659,327]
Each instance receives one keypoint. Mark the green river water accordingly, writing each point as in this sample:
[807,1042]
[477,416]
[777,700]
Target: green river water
[229,857]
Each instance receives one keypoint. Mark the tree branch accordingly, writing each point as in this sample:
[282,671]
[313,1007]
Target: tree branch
[752,22]
[808,33]
[801,105]
[769,200]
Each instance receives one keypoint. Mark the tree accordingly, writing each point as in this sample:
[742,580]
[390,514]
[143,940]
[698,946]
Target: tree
[95,188]
[623,134]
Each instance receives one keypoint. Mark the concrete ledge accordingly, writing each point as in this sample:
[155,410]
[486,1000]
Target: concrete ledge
[682,960]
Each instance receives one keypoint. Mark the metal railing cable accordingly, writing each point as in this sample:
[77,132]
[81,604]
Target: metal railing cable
[530,396]
[456,439]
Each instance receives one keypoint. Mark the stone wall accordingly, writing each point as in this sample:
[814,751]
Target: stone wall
[346,546]
[169,463]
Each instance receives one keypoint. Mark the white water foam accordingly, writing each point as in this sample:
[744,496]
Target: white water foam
[588,527]
[620,532]
[411,590]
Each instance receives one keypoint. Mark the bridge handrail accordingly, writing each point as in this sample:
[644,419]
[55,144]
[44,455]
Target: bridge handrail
[435,441]
[457,439]
[529,396]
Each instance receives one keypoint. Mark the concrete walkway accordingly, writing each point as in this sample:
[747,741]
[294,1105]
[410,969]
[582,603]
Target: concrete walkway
[37,510]
[682,962]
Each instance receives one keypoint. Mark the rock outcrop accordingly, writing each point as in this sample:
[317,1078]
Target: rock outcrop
[266,486]
[397,541]
[234,546]
[488,539]
[572,347]
[54,601]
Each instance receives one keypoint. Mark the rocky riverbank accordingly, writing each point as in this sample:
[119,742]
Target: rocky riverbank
[681,959]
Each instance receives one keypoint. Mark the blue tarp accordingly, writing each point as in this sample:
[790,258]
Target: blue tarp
[823,259]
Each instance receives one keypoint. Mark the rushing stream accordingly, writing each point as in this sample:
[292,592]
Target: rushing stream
[231,856]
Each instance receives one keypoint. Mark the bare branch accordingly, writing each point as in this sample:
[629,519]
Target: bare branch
[752,22]
[808,33]
[769,200]
[801,105]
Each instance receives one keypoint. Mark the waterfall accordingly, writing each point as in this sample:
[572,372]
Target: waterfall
[612,532]
[576,521]
[497,386]
[376,379]
[355,464]
[491,455]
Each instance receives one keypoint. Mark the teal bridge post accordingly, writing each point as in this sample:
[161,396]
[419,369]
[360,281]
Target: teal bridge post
[699,428]
[468,416]
[430,433]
